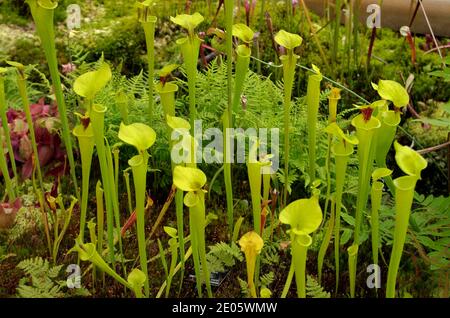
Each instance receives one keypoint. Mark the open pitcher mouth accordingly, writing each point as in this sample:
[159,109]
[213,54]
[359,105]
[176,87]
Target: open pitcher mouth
[405,183]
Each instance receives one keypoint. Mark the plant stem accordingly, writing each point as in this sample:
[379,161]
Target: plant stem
[100,221]
[313,99]
[67,216]
[100,215]
[325,242]
[115,152]
[289,74]
[180,228]
[376,194]
[227,174]
[126,176]
[139,177]
[190,47]
[115,201]
[228,115]
[198,217]
[404,196]
[6,177]
[384,138]
[352,260]
[195,252]
[229,6]
[22,84]
[299,252]
[356,6]
[336,25]
[97,116]
[255,181]
[242,63]
[365,131]
[314,35]
[5,126]
[86,144]
[149,30]
[341,168]
[288,283]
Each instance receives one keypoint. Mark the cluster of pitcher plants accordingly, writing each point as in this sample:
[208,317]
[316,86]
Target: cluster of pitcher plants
[373,136]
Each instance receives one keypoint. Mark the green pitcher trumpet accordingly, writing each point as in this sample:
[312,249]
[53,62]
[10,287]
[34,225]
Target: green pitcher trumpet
[390,119]
[192,180]
[148,23]
[226,123]
[139,168]
[255,176]
[229,16]
[243,53]
[190,48]
[88,253]
[167,92]
[85,137]
[178,123]
[122,102]
[290,42]
[227,116]
[141,137]
[173,248]
[65,217]
[342,149]
[304,216]
[312,100]
[251,244]
[366,126]
[42,12]
[411,163]
[136,279]
[333,99]
[97,118]
[392,91]
[254,171]
[90,83]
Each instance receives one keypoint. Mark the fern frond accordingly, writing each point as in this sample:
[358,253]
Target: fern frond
[222,256]
[267,279]
[244,288]
[314,290]
[43,277]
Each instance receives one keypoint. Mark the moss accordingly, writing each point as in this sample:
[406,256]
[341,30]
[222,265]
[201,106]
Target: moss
[426,135]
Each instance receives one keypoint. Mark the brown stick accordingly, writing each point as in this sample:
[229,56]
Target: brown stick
[434,148]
